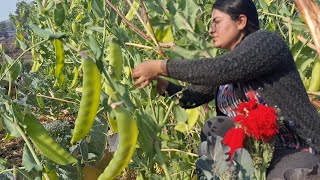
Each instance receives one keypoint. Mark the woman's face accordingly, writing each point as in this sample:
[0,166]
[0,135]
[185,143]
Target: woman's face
[226,33]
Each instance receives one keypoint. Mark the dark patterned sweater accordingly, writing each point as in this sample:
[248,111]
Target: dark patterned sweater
[263,61]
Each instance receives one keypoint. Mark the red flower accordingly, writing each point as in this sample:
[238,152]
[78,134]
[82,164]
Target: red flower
[239,118]
[244,107]
[261,123]
[234,139]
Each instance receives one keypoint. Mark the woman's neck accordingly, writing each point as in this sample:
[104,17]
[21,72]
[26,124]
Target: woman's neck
[237,41]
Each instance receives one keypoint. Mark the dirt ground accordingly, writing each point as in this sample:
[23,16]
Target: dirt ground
[11,150]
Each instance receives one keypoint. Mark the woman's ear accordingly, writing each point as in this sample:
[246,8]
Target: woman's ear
[242,22]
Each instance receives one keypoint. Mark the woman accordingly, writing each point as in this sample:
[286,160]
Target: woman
[258,61]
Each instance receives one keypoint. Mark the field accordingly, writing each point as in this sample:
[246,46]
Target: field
[65,85]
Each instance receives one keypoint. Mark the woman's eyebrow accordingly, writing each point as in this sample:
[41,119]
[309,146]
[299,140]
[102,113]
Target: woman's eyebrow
[215,18]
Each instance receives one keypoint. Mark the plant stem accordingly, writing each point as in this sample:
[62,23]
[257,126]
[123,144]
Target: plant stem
[137,30]
[309,44]
[168,112]
[139,45]
[162,162]
[10,85]
[9,170]
[23,53]
[57,99]
[152,35]
[30,148]
[177,150]
[275,15]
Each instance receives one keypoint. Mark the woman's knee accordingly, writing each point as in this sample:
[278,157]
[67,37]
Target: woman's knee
[289,163]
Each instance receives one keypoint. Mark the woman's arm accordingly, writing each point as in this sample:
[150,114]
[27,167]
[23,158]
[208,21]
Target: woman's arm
[258,54]
[191,96]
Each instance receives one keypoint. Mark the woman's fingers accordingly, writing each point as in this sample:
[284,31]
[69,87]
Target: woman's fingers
[144,73]
[144,84]
[139,81]
[135,73]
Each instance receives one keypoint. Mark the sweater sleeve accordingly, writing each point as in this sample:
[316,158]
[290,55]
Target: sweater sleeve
[191,96]
[258,54]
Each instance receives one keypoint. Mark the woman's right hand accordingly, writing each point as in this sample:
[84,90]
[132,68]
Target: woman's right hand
[147,71]
[162,85]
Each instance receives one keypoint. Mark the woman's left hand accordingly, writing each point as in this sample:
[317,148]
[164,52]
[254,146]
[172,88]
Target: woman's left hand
[145,72]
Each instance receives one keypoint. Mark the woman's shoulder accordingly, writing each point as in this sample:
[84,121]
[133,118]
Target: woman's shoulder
[263,35]
[264,39]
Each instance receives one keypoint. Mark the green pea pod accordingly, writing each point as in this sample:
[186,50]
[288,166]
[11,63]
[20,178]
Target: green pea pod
[128,135]
[74,27]
[45,143]
[131,13]
[89,101]
[113,122]
[109,91]
[59,14]
[75,78]
[59,61]
[315,77]
[35,58]
[115,59]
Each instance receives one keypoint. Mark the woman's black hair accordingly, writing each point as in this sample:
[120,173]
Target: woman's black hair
[235,8]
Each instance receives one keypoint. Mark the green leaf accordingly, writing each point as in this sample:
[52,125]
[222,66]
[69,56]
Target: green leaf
[305,65]
[9,125]
[17,113]
[3,164]
[84,151]
[299,25]
[206,168]
[94,46]
[69,172]
[182,127]
[98,139]
[180,114]
[22,45]
[96,28]
[193,115]
[46,33]
[187,53]
[16,68]
[59,14]
[268,2]
[264,5]
[148,130]
[97,7]
[214,157]
[182,22]
[315,78]
[1,125]
[284,10]
[244,163]
[186,15]
[28,161]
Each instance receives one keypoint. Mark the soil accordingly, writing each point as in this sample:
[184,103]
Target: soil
[11,150]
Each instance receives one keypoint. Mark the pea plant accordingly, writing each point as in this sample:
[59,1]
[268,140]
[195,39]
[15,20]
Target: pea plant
[75,106]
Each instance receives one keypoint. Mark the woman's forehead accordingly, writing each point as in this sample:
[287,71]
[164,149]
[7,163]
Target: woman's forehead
[218,14]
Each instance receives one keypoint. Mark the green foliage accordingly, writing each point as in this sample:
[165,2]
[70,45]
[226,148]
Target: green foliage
[28,161]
